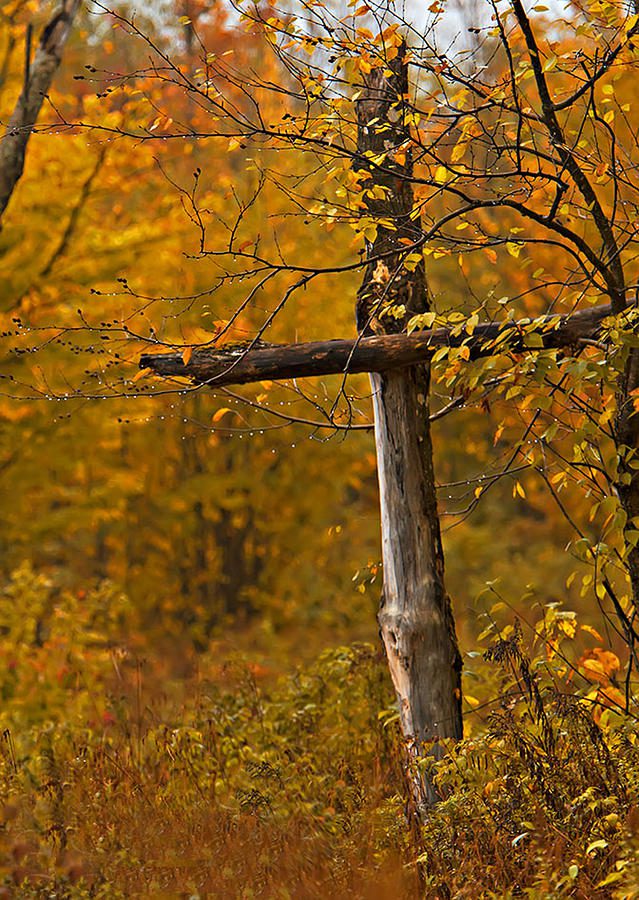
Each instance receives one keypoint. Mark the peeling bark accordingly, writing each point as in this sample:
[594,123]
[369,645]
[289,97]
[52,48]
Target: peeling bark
[415,616]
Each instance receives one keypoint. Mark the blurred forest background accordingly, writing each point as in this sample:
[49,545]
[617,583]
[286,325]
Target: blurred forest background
[194,695]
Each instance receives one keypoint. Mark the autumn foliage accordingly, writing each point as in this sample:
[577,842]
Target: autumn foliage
[194,697]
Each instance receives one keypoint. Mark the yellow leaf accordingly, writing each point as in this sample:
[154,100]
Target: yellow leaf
[441,174]
[141,374]
[220,412]
[567,627]
[412,261]
[186,356]
[593,631]
[471,323]
[459,150]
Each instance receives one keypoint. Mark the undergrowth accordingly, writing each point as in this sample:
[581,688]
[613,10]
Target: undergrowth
[542,803]
[120,779]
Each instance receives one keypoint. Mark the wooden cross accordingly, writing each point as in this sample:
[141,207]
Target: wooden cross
[415,615]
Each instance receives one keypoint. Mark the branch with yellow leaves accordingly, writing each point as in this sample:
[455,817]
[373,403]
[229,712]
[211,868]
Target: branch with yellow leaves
[228,364]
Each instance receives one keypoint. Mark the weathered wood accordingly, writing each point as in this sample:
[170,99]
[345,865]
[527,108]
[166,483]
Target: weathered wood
[415,615]
[381,353]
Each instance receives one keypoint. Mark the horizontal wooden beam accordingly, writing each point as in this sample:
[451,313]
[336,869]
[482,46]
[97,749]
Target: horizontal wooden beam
[219,366]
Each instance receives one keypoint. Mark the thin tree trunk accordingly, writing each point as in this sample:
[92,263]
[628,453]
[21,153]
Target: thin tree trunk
[415,616]
[38,77]
[627,442]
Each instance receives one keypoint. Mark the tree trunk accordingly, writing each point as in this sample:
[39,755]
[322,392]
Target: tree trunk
[415,616]
[37,83]
[627,442]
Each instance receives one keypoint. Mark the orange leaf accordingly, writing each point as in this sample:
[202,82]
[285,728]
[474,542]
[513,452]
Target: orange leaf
[599,664]
[220,412]
[490,253]
[593,631]
[141,374]
[186,356]
[609,661]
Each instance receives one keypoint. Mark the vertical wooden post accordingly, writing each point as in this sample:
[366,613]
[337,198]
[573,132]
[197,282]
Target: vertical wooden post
[415,615]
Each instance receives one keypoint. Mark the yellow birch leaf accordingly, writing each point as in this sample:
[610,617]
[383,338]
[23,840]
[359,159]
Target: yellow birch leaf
[441,174]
